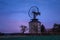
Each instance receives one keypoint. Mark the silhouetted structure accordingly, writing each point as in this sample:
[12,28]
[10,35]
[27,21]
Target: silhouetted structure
[34,24]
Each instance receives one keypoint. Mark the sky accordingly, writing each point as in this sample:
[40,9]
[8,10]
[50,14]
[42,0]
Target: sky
[14,13]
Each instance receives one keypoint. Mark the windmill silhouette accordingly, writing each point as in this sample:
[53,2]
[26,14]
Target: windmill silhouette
[34,24]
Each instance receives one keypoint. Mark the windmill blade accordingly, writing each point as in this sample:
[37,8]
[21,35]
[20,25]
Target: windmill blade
[33,11]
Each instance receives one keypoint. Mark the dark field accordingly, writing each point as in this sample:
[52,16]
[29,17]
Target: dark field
[34,37]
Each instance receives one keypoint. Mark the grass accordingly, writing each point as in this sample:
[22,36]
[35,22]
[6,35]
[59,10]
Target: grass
[48,37]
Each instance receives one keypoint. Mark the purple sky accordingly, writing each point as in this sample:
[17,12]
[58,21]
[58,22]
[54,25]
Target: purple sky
[14,13]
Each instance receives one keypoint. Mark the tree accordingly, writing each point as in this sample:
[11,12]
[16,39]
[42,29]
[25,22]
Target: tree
[23,28]
[56,27]
[43,28]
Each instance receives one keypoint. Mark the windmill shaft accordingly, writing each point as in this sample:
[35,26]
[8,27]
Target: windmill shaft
[34,16]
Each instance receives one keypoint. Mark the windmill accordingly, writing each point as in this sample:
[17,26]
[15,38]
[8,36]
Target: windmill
[33,12]
[34,24]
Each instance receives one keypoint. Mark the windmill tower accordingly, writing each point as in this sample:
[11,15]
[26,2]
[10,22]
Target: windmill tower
[34,24]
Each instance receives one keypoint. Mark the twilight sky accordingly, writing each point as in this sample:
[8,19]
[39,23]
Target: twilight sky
[14,13]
